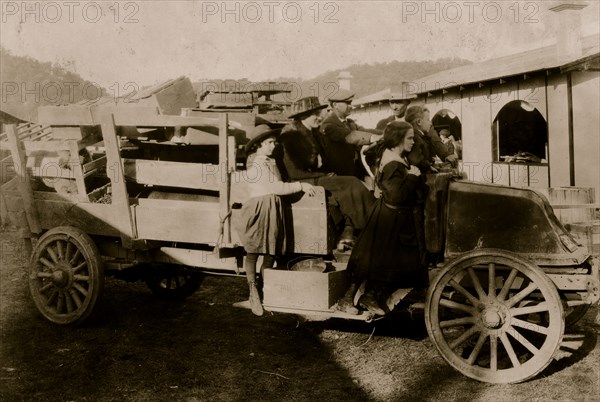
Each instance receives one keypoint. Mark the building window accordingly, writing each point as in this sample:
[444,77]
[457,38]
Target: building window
[448,126]
[520,134]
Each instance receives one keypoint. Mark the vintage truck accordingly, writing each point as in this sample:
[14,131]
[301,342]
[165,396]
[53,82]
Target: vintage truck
[102,190]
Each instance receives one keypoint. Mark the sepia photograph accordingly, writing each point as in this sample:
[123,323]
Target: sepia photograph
[299,200]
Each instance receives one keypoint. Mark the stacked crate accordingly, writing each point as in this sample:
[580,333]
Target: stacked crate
[575,208]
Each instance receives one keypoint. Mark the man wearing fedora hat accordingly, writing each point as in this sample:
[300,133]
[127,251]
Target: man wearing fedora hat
[398,103]
[344,137]
[349,201]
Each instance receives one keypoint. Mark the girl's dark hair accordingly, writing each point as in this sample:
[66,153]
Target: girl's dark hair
[394,134]
[257,145]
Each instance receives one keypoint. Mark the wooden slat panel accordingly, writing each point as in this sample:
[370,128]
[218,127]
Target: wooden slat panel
[67,133]
[98,219]
[576,206]
[500,173]
[586,123]
[568,196]
[95,164]
[72,115]
[52,146]
[75,166]
[129,115]
[123,119]
[477,121]
[231,151]
[195,258]
[190,221]
[518,175]
[538,176]
[58,145]
[41,135]
[200,176]
[125,114]
[558,128]
[48,167]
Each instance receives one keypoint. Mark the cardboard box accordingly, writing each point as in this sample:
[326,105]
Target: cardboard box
[304,290]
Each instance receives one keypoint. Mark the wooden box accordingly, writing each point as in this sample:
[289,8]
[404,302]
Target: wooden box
[587,234]
[304,290]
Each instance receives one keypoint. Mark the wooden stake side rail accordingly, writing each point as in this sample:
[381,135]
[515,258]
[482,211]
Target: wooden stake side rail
[126,115]
[120,198]
[29,132]
[224,185]
[198,176]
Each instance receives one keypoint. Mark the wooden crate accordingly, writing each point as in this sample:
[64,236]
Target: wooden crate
[587,234]
[569,203]
[304,290]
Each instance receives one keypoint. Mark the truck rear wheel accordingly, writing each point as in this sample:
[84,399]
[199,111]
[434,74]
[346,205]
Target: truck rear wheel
[172,283]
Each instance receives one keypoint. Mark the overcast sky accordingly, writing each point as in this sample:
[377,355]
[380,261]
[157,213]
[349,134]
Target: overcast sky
[149,41]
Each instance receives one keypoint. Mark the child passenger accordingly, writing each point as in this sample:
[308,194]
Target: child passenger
[262,227]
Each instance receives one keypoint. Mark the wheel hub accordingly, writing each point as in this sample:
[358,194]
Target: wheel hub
[493,318]
[62,275]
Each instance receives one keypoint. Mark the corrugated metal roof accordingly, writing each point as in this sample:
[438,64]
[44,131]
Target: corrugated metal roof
[544,58]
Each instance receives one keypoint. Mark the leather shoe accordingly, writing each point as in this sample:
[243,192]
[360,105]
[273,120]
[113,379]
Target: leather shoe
[369,302]
[344,305]
[254,299]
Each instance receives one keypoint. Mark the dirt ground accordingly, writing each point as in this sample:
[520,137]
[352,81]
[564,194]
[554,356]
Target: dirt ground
[140,348]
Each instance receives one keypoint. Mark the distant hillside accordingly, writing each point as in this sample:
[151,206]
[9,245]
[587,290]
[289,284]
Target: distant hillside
[371,78]
[28,83]
[367,78]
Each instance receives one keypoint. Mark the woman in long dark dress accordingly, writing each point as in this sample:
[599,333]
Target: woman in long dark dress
[388,253]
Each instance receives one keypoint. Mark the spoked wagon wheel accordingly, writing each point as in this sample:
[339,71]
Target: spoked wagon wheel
[494,316]
[66,276]
[172,283]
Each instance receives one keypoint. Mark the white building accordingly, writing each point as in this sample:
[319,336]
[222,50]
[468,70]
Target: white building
[543,105]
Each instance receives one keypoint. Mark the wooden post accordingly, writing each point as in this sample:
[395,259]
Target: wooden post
[224,189]
[114,169]
[76,168]
[19,159]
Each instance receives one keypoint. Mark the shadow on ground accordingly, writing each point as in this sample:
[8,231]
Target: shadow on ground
[141,348]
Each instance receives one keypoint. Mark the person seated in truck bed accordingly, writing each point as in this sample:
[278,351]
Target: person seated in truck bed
[262,224]
[343,137]
[349,200]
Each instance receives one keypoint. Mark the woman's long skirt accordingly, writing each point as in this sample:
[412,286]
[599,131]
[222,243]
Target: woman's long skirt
[388,251]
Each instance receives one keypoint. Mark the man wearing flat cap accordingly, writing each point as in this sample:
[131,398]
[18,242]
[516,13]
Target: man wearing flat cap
[398,103]
[349,200]
[344,137]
